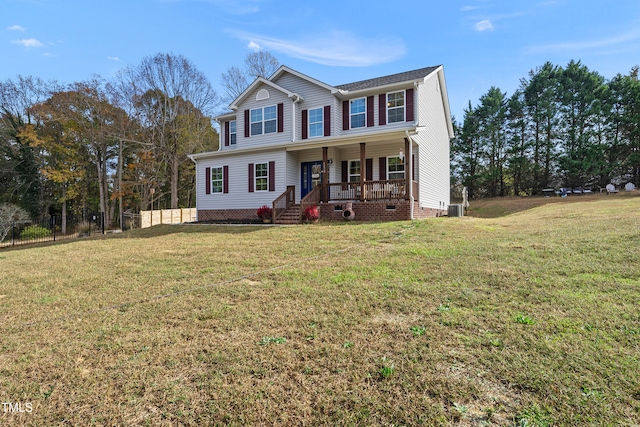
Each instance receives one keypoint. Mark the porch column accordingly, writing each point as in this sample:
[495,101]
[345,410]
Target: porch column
[363,170]
[407,168]
[324,194]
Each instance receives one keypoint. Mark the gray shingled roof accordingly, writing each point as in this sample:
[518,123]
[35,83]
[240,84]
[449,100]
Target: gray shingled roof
[406,76]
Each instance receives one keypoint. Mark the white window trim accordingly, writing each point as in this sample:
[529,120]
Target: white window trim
[256,177]
[321,122]
[404,163]
[233,141]
[349,174]
[262,120]
[221,180]
[404,107]
[364,113]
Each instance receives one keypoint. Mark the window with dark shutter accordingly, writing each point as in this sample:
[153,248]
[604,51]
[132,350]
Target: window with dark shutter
[226,134]
[272,176]
[382,109]
[370,111]
[345,173]
[305,124]
[207,180]
[250,177]
[345,115]
[327,120]
[382,165]
[280,117]
[246,123]
[409,104]
[225,179]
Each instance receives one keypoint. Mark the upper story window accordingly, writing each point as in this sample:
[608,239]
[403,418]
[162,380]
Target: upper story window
[216,180]
[316,123]
[354,171]
[358,109]
[262,177]
[263,120]
[232,132]
[395,168]
[395,107]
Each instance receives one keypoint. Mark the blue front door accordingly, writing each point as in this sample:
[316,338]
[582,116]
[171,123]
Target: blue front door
[311,175]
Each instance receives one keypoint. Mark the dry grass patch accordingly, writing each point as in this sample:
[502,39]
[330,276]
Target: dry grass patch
[527,319]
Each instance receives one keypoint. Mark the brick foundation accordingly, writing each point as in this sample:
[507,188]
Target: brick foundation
[397,210]
[228,215]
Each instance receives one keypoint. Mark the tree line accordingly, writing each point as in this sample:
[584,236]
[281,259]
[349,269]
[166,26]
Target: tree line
[563,127]
[112,145]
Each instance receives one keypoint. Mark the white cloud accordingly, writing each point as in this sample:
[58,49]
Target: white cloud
[16,28]
[336,48]
[254,46]
[609,42]
[484,25]
[28,42]
[114,58]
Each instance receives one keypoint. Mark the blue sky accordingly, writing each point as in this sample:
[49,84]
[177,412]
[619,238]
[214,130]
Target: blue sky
[481,43]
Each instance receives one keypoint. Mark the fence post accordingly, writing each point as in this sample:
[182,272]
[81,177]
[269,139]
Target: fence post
[13,233]
[53,227]
[102,221]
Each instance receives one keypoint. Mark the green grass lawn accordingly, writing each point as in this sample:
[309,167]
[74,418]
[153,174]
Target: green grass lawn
[527,317]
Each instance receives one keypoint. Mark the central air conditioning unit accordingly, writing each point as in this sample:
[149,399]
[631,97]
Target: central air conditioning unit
[456,210]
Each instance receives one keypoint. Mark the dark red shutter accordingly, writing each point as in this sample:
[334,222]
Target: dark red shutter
[305,124]
[369,111]
[280,117]
[246,123]
[225,179]
[326,116]
[207,180]
[382,163]
[272,176]
[251,181]
[345,171]
[345,115]
[409,105]
[369,171]
[382,109]
[226,134]
[413,167]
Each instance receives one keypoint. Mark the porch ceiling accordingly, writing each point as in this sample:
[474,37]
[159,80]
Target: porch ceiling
[349,140]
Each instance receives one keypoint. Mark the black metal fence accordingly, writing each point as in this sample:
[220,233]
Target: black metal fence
[51,229]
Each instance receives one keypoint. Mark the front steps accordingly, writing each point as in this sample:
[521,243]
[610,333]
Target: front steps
[290,216]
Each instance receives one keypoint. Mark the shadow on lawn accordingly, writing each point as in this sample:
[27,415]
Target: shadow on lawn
[497,207]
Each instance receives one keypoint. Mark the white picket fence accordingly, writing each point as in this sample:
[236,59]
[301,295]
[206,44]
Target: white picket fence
[167,216]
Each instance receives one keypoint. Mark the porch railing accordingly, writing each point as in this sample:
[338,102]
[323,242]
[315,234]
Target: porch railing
[312,198]
[393,189]
[283,201]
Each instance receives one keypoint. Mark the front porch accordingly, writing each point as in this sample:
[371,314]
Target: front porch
[368,200]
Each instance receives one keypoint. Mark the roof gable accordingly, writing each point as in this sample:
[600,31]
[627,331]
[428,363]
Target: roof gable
[284,69]
[254,86]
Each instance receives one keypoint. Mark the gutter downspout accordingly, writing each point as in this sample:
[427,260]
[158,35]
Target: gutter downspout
[410,170]
[293,117]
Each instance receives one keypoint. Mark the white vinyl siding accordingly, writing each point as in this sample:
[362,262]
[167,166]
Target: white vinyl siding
[434,147]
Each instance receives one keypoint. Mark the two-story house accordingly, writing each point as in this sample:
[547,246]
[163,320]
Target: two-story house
[376,149]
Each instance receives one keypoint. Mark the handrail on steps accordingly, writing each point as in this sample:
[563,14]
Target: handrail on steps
[312,198]
[282,203]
